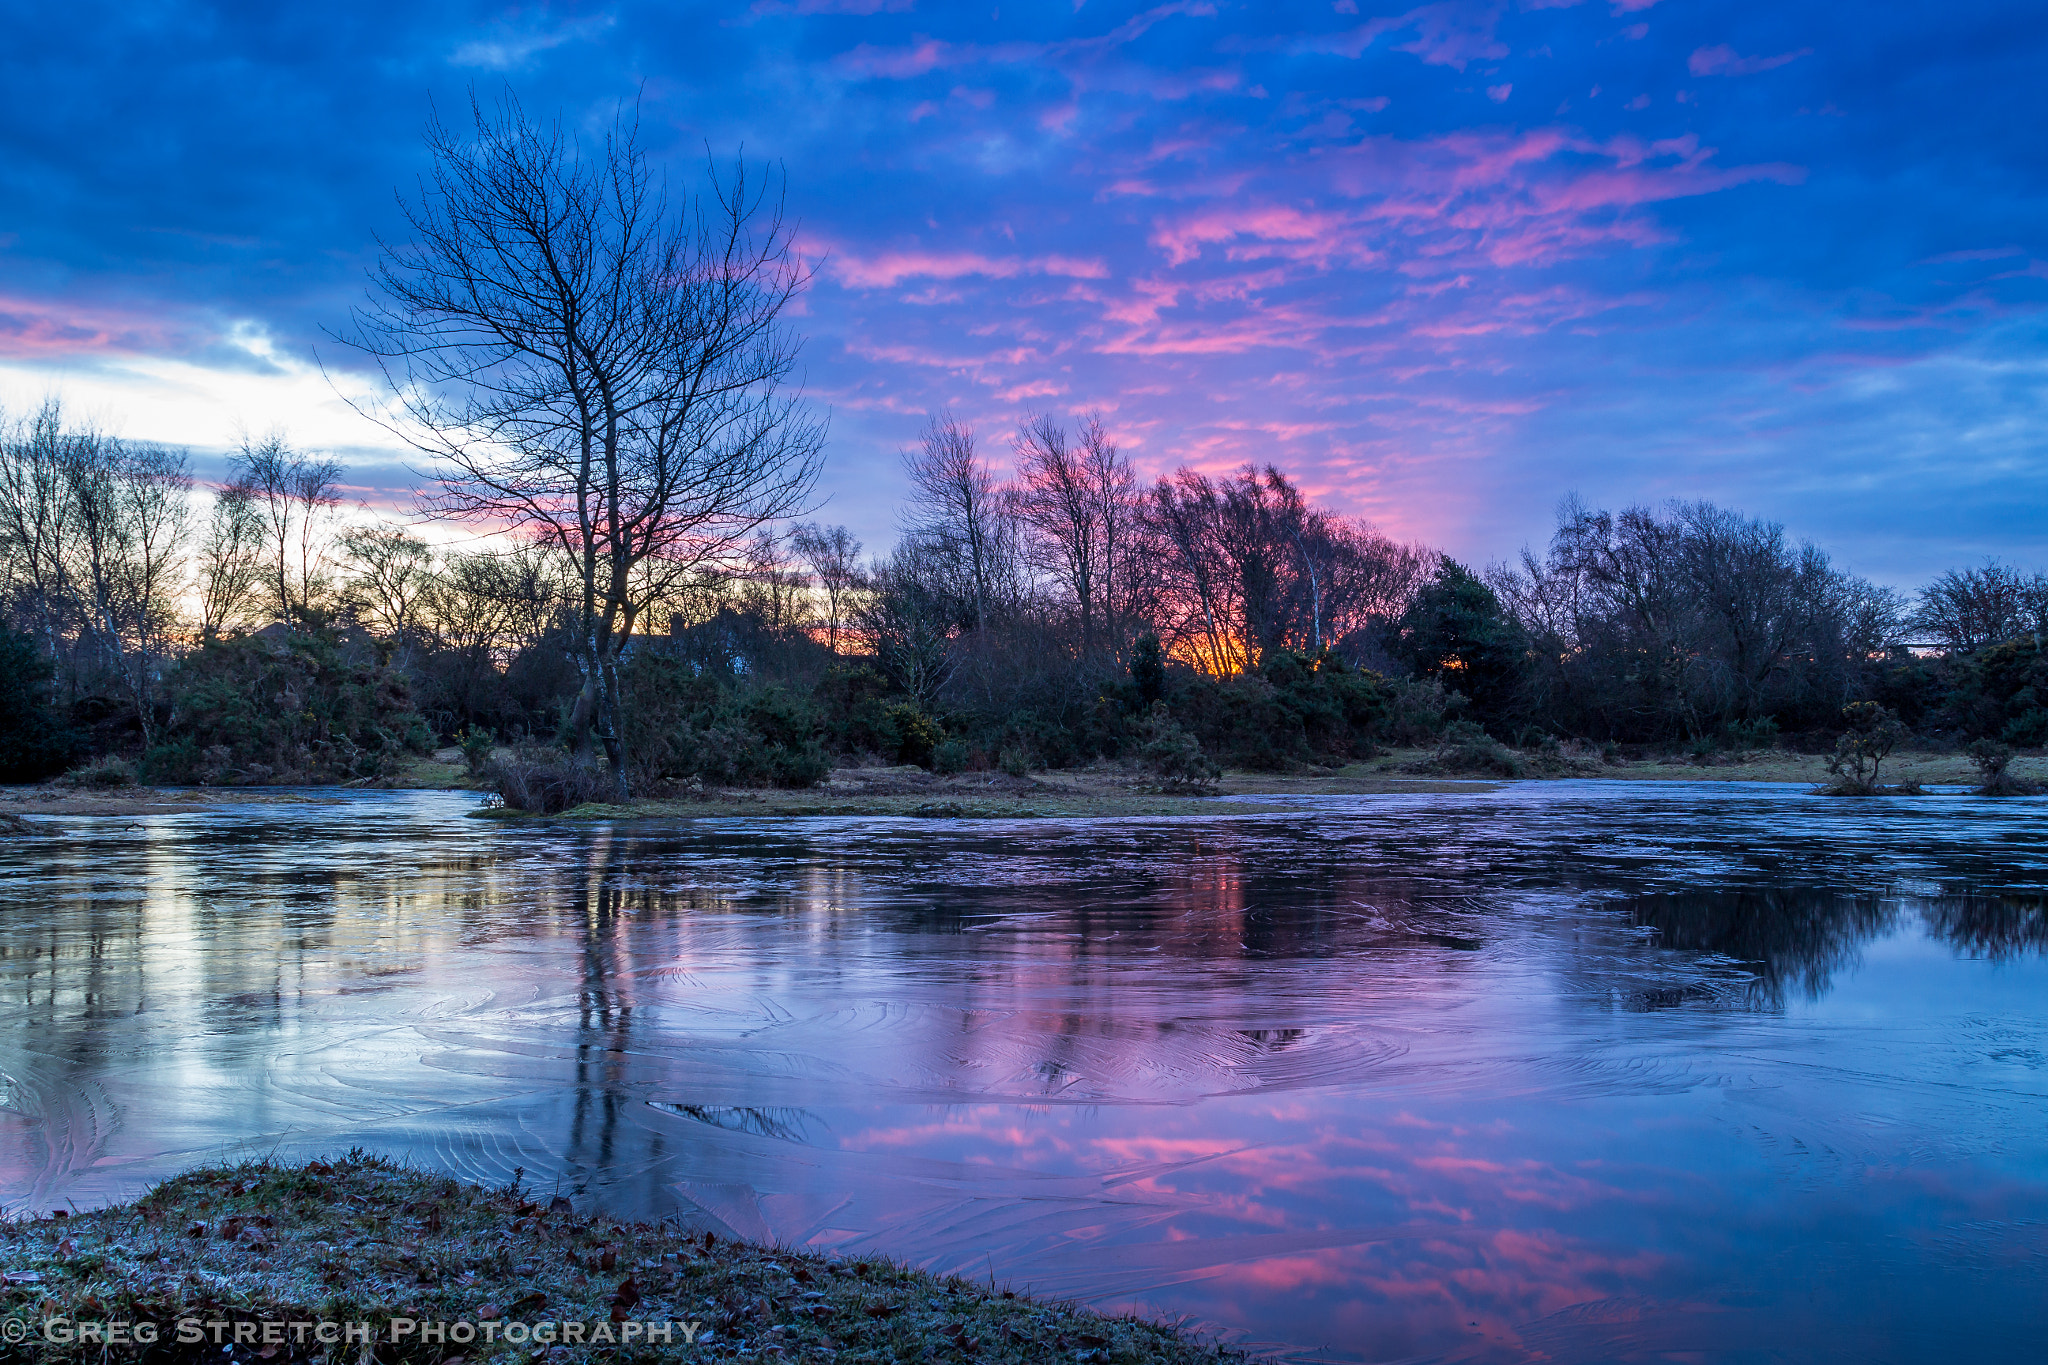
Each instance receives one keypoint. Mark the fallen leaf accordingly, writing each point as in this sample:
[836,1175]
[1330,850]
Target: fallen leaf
[608,1261]
[21,1277]
[488,1312]
[560,1204]
[67,1247]
[628,1295]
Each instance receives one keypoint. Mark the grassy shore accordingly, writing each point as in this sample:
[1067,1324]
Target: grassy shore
[1102,791]
[221,1251]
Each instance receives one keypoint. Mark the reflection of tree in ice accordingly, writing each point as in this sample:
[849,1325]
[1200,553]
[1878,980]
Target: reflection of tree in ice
[1800,939]
[788,1125]
[1790,939]
[1997,927]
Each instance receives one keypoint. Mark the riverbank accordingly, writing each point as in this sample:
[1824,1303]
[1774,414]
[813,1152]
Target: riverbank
[1102,791]
[513,1274]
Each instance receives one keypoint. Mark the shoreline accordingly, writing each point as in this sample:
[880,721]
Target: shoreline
[307,1261]
[1096,792]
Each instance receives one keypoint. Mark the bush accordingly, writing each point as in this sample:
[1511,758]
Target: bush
[1463,749]
[102,774]
[34,744]
[1418,709]
[1148,672]
[2028,730]
[951,757]
[1761,733]
[547,781]
[1173,755]
[1990,758]
[918,735]
[314,706]
[477,747]
[682,724]
[1872,733]
[1296,709]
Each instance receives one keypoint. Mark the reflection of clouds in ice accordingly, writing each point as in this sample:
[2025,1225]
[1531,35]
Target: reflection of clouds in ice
[1562,1063]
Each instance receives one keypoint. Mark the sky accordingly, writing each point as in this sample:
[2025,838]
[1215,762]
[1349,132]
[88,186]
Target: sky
[1443,265]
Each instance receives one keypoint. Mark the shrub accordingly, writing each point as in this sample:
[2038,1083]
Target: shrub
[1173,755]
[1418,709]
[1148,672]
[951,757]
[1872,733]
[33,743]
[1464,748]
[313,706]
[546,781]
[2028,730]
[682,724]
[477,745]
[1014,760]
[1990,758]
[1297,708]
[102,774]
[1761,733]
[918,735]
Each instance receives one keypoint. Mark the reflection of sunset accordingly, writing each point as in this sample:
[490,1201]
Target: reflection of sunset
[1222,1068]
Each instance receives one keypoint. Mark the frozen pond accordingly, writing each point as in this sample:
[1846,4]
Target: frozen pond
[1567,1072]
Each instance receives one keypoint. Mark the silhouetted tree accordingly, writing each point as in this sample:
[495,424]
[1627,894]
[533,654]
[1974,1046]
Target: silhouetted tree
[604,371]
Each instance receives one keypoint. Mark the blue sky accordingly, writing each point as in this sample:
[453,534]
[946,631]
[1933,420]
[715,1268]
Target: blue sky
[1445,264]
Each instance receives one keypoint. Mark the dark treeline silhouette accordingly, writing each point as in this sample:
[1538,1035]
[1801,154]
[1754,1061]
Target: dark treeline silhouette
[1065,613]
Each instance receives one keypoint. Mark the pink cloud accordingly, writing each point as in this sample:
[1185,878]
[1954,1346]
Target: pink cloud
[1723,60]
[1255,231]
[1454,34]
[900,63]
[886,269]
[832,6]
[35,329]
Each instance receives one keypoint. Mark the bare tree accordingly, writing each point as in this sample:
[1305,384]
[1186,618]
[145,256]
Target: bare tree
[1078,499]
[958,512]
[36,519]
[833,557]
[595,367]
[909,617]
[91,538]
[1198,612]
[296,495]
[231,562]
[770,587]
[391,581]
[1966,609]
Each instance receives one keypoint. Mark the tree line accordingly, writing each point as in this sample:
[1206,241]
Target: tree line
[1064,612]
[602,379]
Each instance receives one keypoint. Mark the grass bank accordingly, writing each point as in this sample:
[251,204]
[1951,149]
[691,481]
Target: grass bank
[219,1252]
[1104,791]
